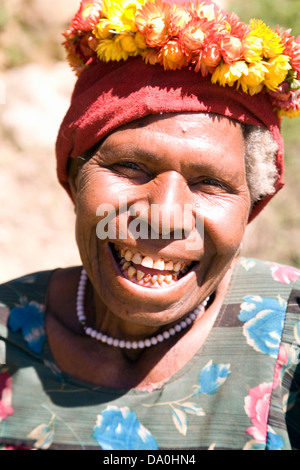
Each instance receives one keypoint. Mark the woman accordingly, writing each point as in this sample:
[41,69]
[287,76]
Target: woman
[165,338]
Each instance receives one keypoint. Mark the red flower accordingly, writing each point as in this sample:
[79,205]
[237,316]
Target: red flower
[88,15]
[81,49]
[291,47]
[211,55]
[235,26]
[195,36]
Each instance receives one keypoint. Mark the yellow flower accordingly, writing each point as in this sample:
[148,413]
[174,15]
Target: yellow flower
[121,13]
[227,74]
[277,71]
[140,41]
[252,82]
[272,45]
[111,49]
[103,30]
[128,44]
[252,48]
[290,113]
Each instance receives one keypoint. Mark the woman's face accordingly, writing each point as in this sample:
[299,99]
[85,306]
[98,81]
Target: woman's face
[176,191]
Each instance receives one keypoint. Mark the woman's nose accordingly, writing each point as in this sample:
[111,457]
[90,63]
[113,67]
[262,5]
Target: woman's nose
[171,205]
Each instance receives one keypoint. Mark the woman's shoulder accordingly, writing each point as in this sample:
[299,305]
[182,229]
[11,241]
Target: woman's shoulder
[262,273]
[23,304]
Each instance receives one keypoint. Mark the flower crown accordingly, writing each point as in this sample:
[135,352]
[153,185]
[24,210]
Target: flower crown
[252,57]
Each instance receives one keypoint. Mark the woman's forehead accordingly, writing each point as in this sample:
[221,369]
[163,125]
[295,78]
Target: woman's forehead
[188,119]
[186,137]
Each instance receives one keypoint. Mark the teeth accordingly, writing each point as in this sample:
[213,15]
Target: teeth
[137,259]
[147,262]
[159,264]
[177,267]
[140,275]
[126,265]
[169,266]
[129,257]
[131,272]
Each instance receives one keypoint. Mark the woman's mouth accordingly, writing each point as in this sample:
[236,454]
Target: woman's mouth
[148,271]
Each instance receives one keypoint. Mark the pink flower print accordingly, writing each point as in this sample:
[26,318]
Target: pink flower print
[284,274]
[281,364]
[6,408]
[257,405]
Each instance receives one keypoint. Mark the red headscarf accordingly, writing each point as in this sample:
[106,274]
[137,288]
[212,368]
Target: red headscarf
[109,95]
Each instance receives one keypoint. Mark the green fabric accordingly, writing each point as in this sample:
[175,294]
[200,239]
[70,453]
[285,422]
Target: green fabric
[238,392]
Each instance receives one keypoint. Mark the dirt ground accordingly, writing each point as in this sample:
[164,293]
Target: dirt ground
[36,216]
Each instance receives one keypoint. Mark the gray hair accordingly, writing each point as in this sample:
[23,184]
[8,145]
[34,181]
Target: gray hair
[260,161]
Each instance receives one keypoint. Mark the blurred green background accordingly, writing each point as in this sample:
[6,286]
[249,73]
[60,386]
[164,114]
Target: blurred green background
[276,233]
[36,217]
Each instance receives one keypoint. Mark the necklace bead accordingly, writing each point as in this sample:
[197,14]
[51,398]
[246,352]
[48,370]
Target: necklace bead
[99,336]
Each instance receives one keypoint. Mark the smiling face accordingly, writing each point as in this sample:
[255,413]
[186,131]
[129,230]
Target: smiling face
[170,162]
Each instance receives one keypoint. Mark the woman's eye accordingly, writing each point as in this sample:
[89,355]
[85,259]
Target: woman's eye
[132,171]
[211,183]
[130,165]
[126,166]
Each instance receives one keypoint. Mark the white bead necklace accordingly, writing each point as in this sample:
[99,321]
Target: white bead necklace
[130,344]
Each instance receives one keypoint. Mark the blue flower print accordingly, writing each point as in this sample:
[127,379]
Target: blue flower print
[119,429]
[274,442]
[212,377]
[264,319]
[29,319]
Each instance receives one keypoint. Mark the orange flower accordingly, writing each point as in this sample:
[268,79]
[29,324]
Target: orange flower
[211,55]
[171,56]
[80,49]
[194,36]
[88,15]
[291,47]
[203,10]
[180,17]
[235,26]
[150,56]
[231,48]
[153,20]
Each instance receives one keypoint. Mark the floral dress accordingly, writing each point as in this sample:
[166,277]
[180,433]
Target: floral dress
[240,391]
